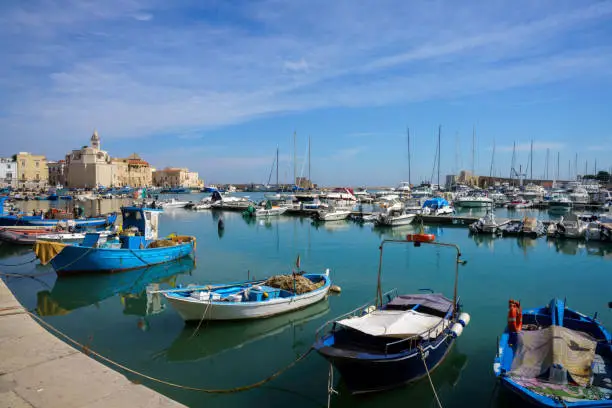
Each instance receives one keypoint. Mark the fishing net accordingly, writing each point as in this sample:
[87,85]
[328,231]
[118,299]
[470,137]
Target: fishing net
[162,243]
[286,282]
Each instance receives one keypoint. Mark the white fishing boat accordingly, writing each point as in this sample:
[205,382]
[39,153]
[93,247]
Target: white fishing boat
[333,214]
[172,203]
[250,299]
[393,219]
[473,201]
[488,224]
[273,211]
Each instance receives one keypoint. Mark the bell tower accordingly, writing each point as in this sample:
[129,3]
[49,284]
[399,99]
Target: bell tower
[95,140]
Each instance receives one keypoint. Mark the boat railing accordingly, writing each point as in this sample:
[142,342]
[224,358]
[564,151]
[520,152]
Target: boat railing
[358,312]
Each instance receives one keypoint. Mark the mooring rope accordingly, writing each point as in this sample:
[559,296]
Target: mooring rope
[330,385]
[20,264]
[164,382]
[429,376]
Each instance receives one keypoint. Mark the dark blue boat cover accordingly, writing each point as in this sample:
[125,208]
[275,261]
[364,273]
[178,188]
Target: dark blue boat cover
[435,301]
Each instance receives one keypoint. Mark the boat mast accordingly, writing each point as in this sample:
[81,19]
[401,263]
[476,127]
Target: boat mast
[473,147]
[558,159]
[294,161]
[277,167]
[439,152]
[576,167]
[492,158]
[531,162]
[309,179]
[408,132]
[547,163]
[512,163]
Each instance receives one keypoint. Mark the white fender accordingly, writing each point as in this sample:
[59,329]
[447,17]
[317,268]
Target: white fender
[464,319]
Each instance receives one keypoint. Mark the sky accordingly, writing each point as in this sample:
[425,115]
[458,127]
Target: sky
[216,86]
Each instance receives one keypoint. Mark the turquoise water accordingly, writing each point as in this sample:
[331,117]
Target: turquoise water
[113,315]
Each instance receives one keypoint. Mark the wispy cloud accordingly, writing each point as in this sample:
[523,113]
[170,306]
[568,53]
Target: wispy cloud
[143,16]
[537,146]
[296,66]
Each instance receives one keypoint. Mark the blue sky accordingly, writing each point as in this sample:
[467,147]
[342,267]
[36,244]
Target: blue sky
[217,85]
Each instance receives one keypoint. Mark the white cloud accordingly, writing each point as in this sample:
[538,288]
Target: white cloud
[143,16]
[296,66]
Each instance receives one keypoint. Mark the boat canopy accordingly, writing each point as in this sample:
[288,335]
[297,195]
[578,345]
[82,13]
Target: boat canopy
[396,324]
[436,202]
[144,220]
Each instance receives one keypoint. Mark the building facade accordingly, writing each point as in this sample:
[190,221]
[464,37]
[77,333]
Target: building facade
[32,171]
[57,173]
[172,177]
[90,166]
[8,172]
[132,171]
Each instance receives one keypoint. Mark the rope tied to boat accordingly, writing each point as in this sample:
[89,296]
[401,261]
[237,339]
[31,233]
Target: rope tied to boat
[160,381]
[423,357]
[330,385]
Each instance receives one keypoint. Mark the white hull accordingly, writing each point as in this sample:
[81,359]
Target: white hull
[199,207]
[196,310]
[404,219]
[271,212]
[334,216]
[474,204]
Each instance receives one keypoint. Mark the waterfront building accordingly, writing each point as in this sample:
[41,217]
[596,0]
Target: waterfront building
[8,172]
[32,171]
[172,177]
[90,166]
[132,171]
[57,173]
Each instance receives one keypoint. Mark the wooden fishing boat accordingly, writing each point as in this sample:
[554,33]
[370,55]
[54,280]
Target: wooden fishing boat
[249,299]
[395,339]
[553,356]
[138,247]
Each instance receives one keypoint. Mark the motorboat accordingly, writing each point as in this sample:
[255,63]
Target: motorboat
[436,206]
[332,214]
[473,201]
[395,339]
[571,226]
[424,191]
[230,203]
[340,195]
[533,192]
[172,203]
[394,219]
[403,188]
[138,247]
[560,202]
[580,196]
[272,211]
[554,356]
[499,199]
[520,203]
[250,299]
[532,227]
[488,224]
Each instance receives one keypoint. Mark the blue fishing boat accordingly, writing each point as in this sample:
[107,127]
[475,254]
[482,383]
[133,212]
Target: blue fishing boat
[137,247]
[396,339]
[553,356]
[9,220]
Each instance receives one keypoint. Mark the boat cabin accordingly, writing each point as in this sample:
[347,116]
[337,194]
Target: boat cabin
[140,226]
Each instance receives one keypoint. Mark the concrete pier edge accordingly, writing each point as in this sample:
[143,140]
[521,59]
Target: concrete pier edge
[39,370]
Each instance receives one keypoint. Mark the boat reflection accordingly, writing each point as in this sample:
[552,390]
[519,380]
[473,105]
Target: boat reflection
[331,226]
[219,337]
[74,292]
[8,250]
[484,240]
[576,247]
[398,232]
[446,377]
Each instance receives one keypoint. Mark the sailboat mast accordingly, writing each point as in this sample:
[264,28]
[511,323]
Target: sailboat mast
[473,147]
[512,171]
[409,178]
[558,159]
[277,167]
[492,158]
[439,153]
[547,163]
[294,161]
[309,179]
[531,162]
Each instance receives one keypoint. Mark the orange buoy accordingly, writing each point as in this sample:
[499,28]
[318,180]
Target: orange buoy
[515,316]
[420,237]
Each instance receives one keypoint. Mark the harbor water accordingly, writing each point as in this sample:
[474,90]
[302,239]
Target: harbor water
[114,316]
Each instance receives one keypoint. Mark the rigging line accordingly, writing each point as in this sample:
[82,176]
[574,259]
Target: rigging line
[429,376]
[160,381]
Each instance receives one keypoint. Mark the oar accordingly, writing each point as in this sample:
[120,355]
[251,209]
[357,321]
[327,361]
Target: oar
[203,287]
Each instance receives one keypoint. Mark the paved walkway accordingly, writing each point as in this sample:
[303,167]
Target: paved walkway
[39,370]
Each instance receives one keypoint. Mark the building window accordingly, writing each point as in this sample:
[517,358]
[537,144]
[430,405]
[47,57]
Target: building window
[37,164]
[23,163]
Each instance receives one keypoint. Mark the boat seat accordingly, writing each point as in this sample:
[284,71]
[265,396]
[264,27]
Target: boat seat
[91,240]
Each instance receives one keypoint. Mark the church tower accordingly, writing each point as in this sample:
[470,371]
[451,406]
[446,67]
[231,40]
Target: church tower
[95,140]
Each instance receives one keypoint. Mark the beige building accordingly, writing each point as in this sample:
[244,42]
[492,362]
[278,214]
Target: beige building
[90,166]
[57,173]
[176,177]
[132,171]
[32,171]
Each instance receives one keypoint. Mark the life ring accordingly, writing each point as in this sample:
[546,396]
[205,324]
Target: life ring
[420,237]
[515,316]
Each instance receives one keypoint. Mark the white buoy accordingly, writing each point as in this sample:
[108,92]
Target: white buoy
[456,330]
[335,289]
[464,319]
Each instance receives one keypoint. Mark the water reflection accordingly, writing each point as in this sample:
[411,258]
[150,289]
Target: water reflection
[576,247]
[484,240]
[215,338]
[331,226]
[8,250]
[445,377]
[74,292]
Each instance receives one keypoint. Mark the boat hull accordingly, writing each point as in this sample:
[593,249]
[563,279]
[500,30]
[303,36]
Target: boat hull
[13,220]
[74,259]
[195,310]
[473,204]
[373,374]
